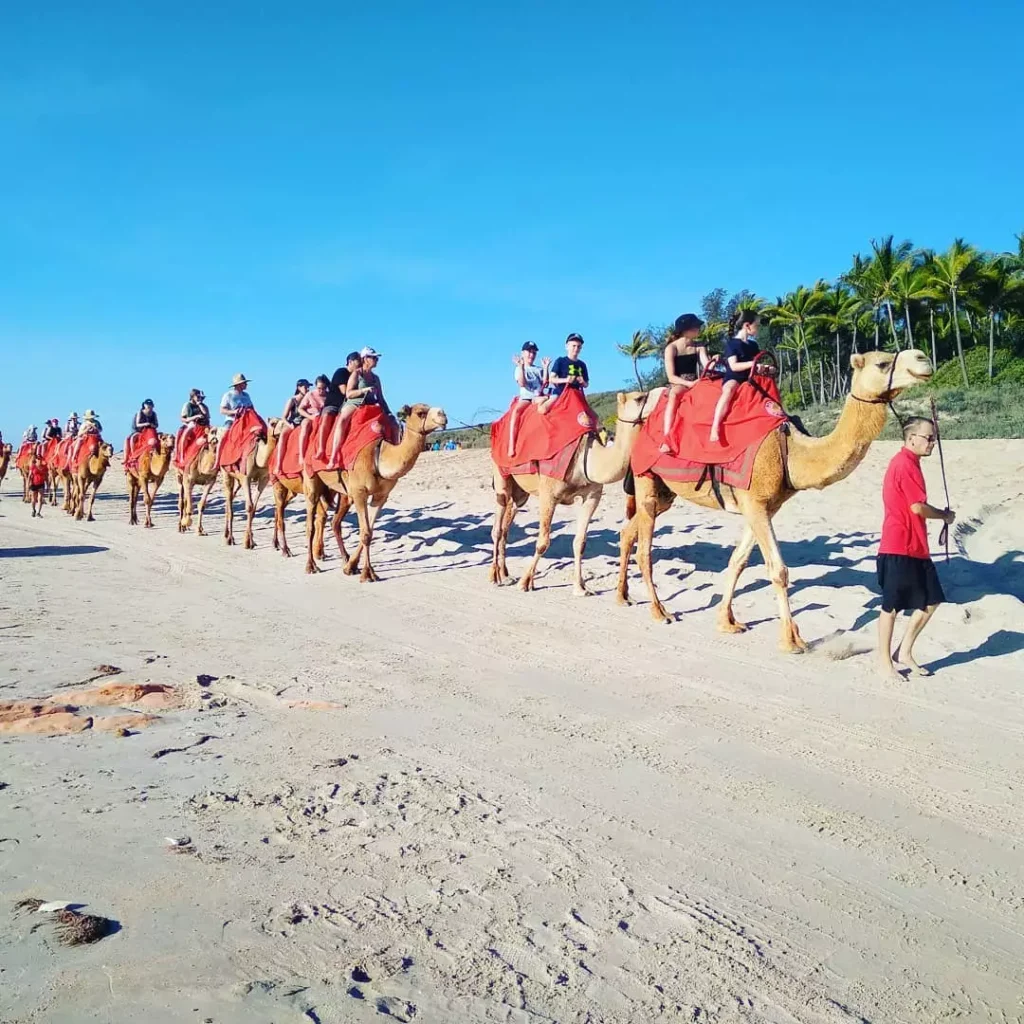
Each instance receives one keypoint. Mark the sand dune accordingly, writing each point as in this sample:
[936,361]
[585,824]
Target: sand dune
[438,801]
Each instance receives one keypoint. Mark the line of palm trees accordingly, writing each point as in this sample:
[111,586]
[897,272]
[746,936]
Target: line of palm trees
[894,297]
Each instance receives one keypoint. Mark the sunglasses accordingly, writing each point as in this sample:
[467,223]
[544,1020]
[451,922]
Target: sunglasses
[927,438]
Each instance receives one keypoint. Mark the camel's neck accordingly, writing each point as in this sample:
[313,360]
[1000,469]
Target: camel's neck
[816,462]
[607,464]
[397,459]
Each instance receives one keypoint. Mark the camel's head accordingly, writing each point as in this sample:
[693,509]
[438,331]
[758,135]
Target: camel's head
[883,375]
[106,451]
[166,444]
[636,406]
[423,418]
[7,449]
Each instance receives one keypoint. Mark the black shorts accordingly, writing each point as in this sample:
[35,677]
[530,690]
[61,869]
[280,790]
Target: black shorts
[36,487]
[629,482]
[908,583]
[331,410]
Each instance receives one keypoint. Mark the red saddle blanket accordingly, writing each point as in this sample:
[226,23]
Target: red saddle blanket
[61,454]
[541,438]
[755,413]
[285,465]
[136,445]
[24,457]
[240,439]
[47,451]
[90,446]
[367,426]
[188,443]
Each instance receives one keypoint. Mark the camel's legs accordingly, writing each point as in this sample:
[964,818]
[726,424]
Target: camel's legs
[202,505]
[367,515]
[92,500]
[311,488]
[627,541]
[588,506]
[499,532]
[149,497]
[251,502]
[546,514]
[764,533]
[229,510]
[646,515]
[133,497]
[737,563]
[319,527]
[282,499]
[344,504]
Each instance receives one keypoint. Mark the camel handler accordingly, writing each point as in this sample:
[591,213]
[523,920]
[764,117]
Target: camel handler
[906,573]
[237,399]
[37,485]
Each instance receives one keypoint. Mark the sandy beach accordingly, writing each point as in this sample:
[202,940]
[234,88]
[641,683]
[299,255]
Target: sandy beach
[433,800]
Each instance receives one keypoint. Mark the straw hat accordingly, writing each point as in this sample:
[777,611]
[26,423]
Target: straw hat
[90,414]
[240,378]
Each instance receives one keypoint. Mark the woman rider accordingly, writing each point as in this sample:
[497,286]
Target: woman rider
[194,413]
[739,357]
[683,363]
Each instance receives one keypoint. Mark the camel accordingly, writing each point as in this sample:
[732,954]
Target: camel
[782,468]
[23,465]
[6,451]
[146,477]
[593,466]
[285,490]
[367,485]
[200,472]
[90,473]
[253,478]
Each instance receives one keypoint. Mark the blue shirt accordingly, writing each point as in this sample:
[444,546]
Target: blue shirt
[574,369]
[235,400]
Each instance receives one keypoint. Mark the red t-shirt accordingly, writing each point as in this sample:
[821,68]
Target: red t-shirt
[903,532]
[37,476]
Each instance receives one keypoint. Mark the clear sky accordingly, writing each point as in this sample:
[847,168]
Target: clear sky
[187,189]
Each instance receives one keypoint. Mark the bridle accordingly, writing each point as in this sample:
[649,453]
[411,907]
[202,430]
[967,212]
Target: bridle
[882,399]
[618,419]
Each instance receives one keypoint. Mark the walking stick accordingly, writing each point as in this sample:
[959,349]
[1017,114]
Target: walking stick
[944,532]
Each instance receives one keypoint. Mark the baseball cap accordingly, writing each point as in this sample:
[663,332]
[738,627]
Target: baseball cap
[574,337]
[367,352]
[530,346]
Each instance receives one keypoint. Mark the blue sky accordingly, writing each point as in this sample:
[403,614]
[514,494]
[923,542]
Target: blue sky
[184,194]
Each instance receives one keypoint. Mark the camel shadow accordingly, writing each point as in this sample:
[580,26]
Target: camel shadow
[50,550]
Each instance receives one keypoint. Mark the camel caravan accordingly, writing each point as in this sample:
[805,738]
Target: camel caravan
[716,435]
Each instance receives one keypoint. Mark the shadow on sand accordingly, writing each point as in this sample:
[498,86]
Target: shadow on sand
[46,550]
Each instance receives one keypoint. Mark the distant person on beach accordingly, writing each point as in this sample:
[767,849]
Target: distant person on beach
[906,573]
[739,357]
[36,485]
[684,361]
[533,386]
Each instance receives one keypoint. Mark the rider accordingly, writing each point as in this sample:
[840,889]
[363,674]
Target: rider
[364,388]
[194,413]
[533,382]
[291,407]
[335,398]
[90,426]
[684,361]
[51,431]
[31,436]
[71,427]
[739,357]
[309,410]
[568,371]
[145,417]
[237,399]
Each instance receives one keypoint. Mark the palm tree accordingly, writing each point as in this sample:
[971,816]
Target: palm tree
[643,346]
[838,312]
[951,271]
[912,283]
[886,263]
[998,290]
[860,277]
[800,309]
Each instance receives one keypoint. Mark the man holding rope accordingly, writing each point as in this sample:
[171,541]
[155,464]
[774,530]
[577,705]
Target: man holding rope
[906,573]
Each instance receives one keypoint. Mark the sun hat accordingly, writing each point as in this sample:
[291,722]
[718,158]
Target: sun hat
[73,416]
[90,414]
[239,378]
[368,352]
[687,322]
[530,346]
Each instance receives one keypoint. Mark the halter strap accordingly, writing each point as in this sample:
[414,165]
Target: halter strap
[885,401]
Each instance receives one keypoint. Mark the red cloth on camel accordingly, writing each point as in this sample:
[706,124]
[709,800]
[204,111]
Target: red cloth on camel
[135,446]
[542,438]
[61,454]
[48,449]
[756,411]
[24,457]
[90,446]
[285,464]
[367,426]
[185,454]
[240,438]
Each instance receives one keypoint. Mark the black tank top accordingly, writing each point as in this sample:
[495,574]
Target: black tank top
[686,365]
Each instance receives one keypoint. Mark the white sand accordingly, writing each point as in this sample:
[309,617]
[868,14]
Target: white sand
[530,807]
